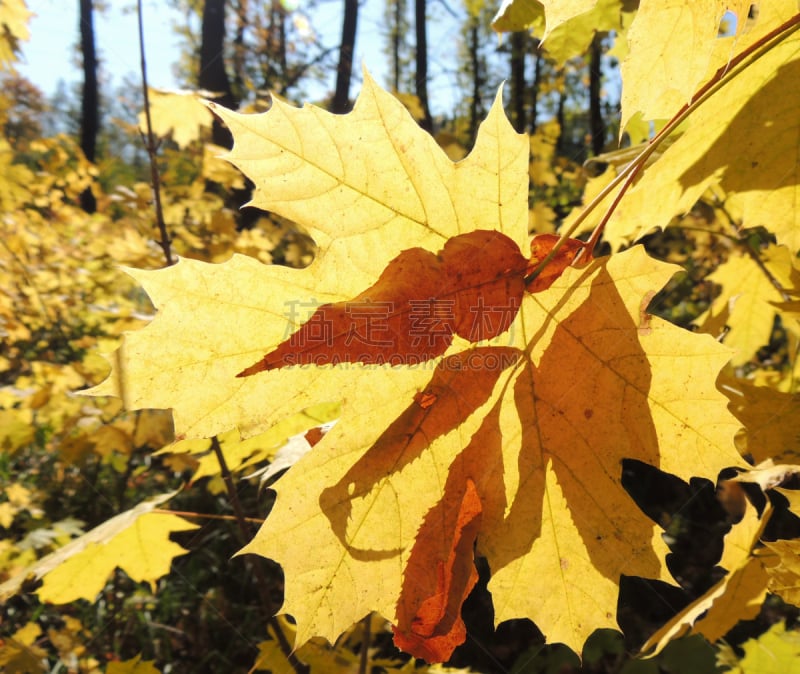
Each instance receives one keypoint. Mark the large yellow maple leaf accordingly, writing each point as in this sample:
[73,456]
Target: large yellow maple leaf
[512,445]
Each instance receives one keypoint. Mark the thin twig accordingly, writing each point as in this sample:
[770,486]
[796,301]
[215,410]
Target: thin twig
[706,230]
[167,628]
[261,580]
[150,146]
[205,516]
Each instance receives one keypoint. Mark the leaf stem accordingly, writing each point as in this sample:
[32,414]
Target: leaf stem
[626,177]
[261,580]
[150,146]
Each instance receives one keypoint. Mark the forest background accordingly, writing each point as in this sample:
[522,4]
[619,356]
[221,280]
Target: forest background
[100,577]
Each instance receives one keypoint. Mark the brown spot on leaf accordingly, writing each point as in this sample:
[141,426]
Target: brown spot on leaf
[425,399]
[644,317]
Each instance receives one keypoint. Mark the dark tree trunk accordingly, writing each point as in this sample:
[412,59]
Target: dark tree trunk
[239,48]
[213,75]
[274,56]
[398,19]
[90,115]
[562,99]
[341,98]
[537,83]
[267,55]
[477,83]
[284,74]
[518,44]
[596,126]
[420,25]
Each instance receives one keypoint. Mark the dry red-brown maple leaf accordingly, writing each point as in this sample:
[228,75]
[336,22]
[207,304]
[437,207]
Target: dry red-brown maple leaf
[472,288]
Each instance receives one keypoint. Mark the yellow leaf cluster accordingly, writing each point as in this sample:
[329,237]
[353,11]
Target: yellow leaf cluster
[14,17]
[14,179]
[136,541]
[70,642]
[21,654]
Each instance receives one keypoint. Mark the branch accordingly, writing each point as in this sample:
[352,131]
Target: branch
[205,516]
[150,146]
[301,69]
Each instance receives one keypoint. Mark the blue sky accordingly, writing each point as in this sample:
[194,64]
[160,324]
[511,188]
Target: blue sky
[51,54]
